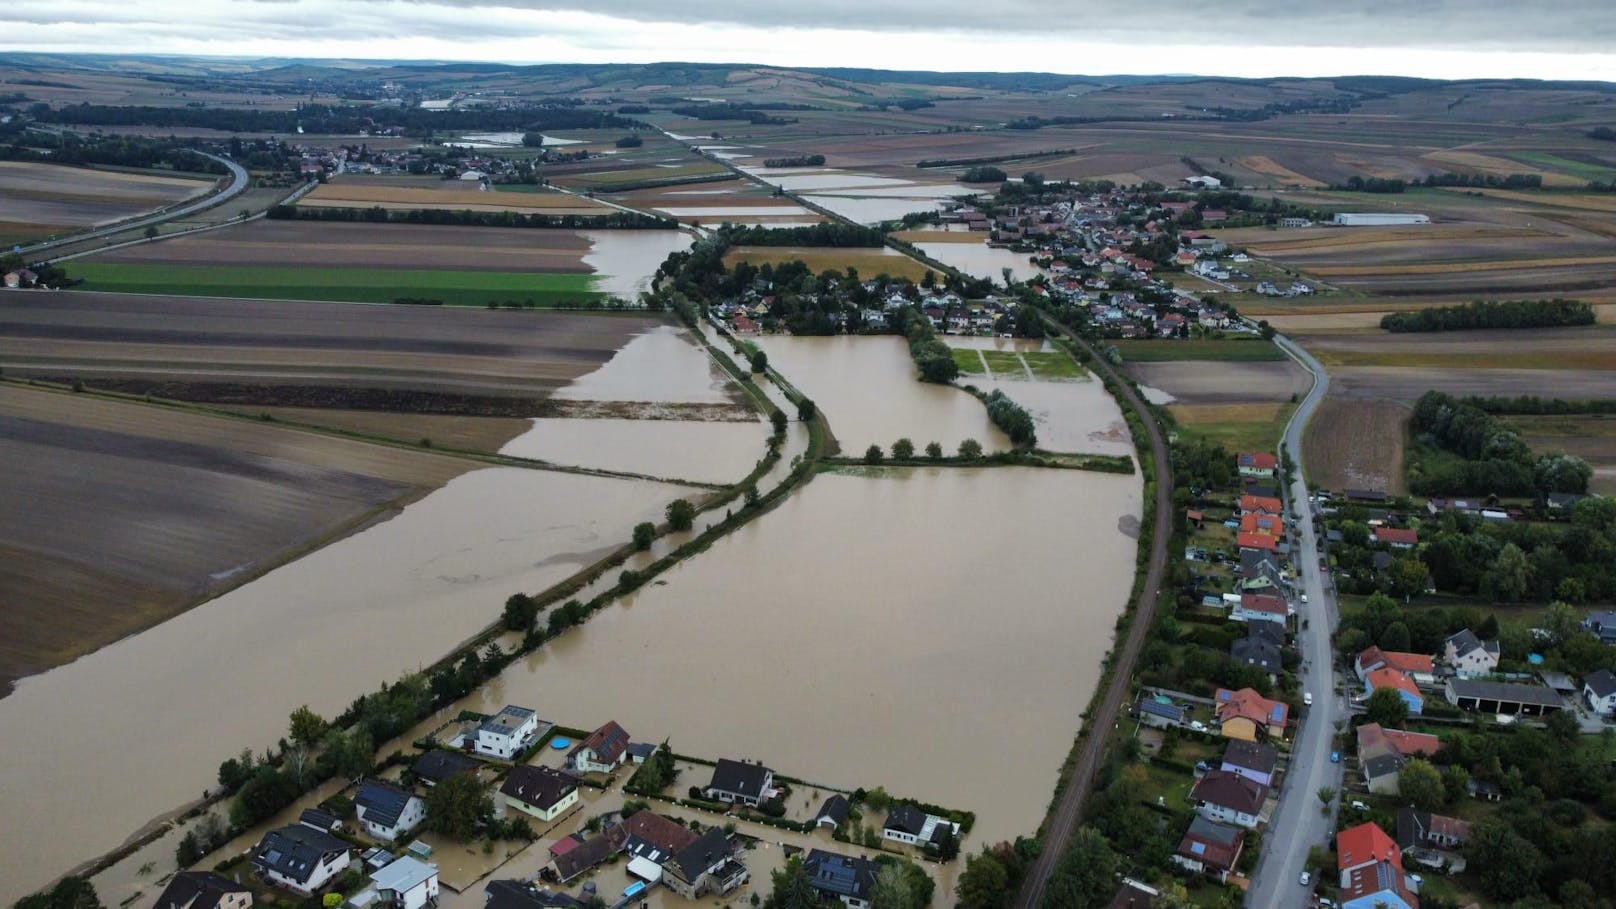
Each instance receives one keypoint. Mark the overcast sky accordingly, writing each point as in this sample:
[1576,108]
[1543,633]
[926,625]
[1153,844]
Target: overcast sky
[1552,39]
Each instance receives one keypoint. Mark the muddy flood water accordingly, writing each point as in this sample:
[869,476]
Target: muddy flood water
[880,630]
[664,364]
[625,260]
[714,452]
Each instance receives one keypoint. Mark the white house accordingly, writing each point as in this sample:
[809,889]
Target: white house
[604,750]
[387,812]
[1229,798]
[1599,690]
[541,792]
[507,733]
[407,883]
[301,858]
[739,781]
[1257,607]
[1470,655]
[909,825]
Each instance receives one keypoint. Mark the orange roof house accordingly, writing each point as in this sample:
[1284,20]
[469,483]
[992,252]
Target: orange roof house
[1248,716]
[1268,524]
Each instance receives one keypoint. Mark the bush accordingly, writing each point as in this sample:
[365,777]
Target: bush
[872,455]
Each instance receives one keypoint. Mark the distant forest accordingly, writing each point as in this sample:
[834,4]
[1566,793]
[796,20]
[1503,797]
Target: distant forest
[325,119]
[1486,314]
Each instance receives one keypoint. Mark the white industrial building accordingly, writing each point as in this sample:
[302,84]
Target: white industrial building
[1379,219]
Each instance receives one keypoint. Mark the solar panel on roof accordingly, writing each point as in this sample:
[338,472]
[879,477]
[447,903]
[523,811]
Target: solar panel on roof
[1198,848]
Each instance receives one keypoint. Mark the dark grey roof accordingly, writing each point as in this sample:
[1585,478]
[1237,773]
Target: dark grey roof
[1382,765]
[1251,756]
[1465,641]
[294,851]
[1272,632]
[906,818]
[1165,711]
[1214,832]
[639,751]
[1602,623]
[438,765]
[834,809]
[1602,682]
[1230,790]
[318,819]
[1505,691]
[584,856]
[382,802]
[196,890]
[1412,824]
[524,895]
[541,787]
[1254,651]
[506,720]
[709,850]
[739,778]
[840,875]
[1381,561]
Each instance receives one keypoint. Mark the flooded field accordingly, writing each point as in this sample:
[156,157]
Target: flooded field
[708,452]
[869,390]
[982,261]
[1078,416]
[870,210]
[661,365]
[844,638]
[626,260]
[166,706]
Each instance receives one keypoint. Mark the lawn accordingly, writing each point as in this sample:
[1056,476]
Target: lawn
[356,285]
[1240,435]
[968,361]
[1005,363]
[1054,365]
[1171,786]
[1243,350]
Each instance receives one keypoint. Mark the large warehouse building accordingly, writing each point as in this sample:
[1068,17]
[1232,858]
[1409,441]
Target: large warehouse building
[1379,219]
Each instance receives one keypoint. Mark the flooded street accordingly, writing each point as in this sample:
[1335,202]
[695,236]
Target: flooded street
[873,631]
[707,452]
[625,260]
[867,387]
[139,727]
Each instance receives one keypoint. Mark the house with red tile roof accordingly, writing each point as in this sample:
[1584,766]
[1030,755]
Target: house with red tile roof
[1418,666]
[1266,524]
[1387,677]
[1248,716]
[1382,753]
[1250,504]
[1256,464]
[1260,541]
[1371,868]
[1396,537]
[1209,847]
[1258,607]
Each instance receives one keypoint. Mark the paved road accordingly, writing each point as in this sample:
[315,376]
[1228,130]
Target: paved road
[1070,810]
[238,185]
[1297,824]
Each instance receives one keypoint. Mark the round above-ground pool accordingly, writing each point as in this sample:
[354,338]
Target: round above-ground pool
[560,742]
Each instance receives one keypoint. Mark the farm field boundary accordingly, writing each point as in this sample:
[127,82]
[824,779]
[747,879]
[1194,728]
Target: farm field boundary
[352,285]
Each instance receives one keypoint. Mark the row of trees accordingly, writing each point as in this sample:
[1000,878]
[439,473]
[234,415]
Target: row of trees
[332,119]
[117,151]
[1491,314]
[619,220]
[1012,418]
[797,161]
[1483,455]
[825,234]
[934,358]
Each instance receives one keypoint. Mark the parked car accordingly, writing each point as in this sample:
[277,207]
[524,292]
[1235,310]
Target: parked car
[1198,726]
[1304,598]
[1335,757]
[1359,805]
[1307,698]
[1306,879]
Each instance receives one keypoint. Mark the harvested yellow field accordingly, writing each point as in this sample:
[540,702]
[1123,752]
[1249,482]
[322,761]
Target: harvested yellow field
[338,195]
[1256,412]
[939,236]
[1541,359]
[869,262]
[1306,323]
[1268,167]
[1501,167]
[1265,242]
[1442,268]
[1584,201]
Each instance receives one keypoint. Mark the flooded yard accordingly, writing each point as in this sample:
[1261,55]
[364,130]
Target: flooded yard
[707,452]
[845,637]
[982,261]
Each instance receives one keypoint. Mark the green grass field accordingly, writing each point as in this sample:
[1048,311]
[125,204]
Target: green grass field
[1242,350]
[967,360]
[1005,364]
[1241,435]
[1054,365]
[352,285]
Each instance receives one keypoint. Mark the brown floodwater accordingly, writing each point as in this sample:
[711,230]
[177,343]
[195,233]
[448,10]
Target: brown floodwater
[1077,415]
[982,261]
[95,749]
[868,388]
[707,452]
[626,260]
[937,631]
[664,364]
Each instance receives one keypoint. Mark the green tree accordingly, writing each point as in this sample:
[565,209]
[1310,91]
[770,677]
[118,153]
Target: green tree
[891,889]
[805,409]
[872,455]
[307,726]
[970,449]
[1386,707]
[792,889]
[934,451]
[1421,785]
[1508,578]
[1396,637]
[777,419]
[70,892]
[521,611]
[644,533]
[1506,863]
[458,806]
[681,514]
[759,361]
[1326,794]
[903,449]
[984,884]
[1455,783]
[1407,577]
[1085,875]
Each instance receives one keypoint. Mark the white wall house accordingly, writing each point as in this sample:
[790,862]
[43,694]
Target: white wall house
[507,733]
[1599,690]
[540,792]
[387,812]
[408,883]
[1469,655]
[301,858]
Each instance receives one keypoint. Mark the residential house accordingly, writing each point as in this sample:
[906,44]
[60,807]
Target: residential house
[387,812]
[526,895]
[1382,753]
[1134,895]
[301,858]
[1417,666]
[1250,504]
[1229,798]
[909,825]
[1261,542]
[841,877]
[1395,537]
[439,764]
[1249,716]
[1418,829]
[740,782]
[1371,868]
[832,813]
[1387,677]
[1469,655]
[1259,647]
[1259,572]
[571,857]
[1257,464]
[1156,714]
[1252,760]
[1503,697]
[705,866]
[604,750]
[640,752]
[1603,624]
[543,792]
[1599,690]
[1209,847]
[203,890]
[1257,607]
[507,733]
[407,883]
[1269,525]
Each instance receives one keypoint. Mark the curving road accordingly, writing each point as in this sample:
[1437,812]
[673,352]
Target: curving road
[1297,824]
[238,184]
[1070,810]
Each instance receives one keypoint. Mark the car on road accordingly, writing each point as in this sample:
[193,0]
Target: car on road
[1304,598]
[1335,757]
[1305,879]
[1307,698]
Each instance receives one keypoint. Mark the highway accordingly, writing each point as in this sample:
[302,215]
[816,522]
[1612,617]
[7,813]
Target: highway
[1297,824]
[238,185]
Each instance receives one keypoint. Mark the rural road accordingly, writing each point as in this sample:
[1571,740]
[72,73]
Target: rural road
[1297,824]
[1092,751]
[238,184]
